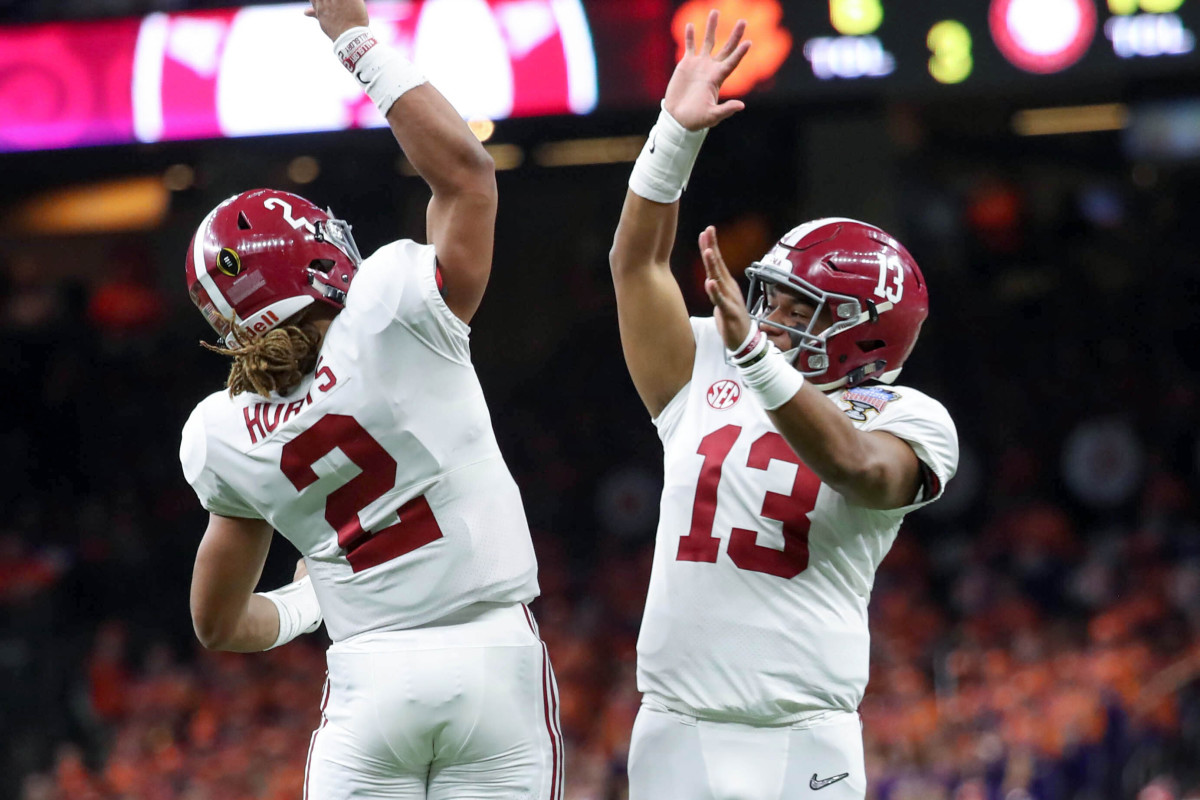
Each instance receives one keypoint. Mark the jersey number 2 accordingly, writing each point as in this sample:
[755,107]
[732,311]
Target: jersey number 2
[417,526]
[790,509]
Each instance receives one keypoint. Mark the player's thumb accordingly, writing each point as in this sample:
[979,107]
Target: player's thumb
[727,109]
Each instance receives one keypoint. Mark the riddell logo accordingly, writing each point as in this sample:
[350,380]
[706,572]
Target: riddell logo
[260,326]
[723,394]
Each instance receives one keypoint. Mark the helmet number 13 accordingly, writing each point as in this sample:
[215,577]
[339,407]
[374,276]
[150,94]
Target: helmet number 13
[890,267]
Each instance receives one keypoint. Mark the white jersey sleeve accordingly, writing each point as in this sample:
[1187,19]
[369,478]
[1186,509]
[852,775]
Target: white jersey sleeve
[413,301]
[924,424]
[216,496]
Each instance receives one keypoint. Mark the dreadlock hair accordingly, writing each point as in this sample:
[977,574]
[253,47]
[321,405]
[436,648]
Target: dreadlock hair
[275,362]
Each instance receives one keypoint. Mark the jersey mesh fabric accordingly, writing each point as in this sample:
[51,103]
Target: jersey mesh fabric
[723,642]
[396,363]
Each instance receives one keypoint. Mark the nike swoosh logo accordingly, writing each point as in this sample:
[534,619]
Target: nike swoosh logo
[653,142]
[359,76]
[815,784]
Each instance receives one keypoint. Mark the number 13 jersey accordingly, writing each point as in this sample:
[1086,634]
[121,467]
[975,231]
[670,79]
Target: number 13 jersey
[757,608]
[381,467]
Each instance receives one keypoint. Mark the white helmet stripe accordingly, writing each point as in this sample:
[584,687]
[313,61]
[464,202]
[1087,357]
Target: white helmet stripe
[800,231]
[210,286]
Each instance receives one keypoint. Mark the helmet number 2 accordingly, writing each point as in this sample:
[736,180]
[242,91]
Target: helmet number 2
[275,202]
[889,265]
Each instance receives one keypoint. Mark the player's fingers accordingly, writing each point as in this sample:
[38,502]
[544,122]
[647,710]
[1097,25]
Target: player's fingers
[723,287]
[726,110]
[710,267]
[717,296]
[310,12]
[714,267]
[706,243]
[736,36]
[715,250]
[689,39]
[710,32]
[730,64]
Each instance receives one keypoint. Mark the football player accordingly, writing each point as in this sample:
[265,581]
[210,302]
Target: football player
[791,458]
[354,424]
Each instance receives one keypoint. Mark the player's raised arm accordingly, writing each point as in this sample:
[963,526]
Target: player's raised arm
[655,334]
[462,214]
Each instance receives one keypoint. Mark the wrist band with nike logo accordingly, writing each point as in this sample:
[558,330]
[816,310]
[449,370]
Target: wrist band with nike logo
[384,74]
[662,170]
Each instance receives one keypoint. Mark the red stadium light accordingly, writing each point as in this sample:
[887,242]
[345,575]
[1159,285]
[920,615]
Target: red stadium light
[1042,36]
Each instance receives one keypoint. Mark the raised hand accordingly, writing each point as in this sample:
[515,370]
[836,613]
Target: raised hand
[729,308]
[693,93]
[338,16]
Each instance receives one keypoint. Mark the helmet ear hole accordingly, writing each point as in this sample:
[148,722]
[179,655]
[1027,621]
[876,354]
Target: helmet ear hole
[868,345]
[243,222]
[322,265]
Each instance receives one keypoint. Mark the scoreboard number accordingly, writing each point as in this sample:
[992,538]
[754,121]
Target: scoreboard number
[949,41]
[855,17]
[1127,7]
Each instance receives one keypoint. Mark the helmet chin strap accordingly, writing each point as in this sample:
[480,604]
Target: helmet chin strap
[856,376]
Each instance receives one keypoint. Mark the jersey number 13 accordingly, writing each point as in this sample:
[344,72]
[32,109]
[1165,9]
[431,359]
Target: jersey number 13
[791,509]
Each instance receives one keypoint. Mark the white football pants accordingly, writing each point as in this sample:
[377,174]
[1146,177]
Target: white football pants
[676,756]
[465,708]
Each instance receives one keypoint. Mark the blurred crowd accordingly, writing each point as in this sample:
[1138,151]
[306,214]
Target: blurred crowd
[993,690]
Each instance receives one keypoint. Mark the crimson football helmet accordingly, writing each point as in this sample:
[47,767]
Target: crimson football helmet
[874,290]
[262,256]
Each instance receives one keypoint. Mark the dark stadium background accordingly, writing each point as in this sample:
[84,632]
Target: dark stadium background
[1035,635]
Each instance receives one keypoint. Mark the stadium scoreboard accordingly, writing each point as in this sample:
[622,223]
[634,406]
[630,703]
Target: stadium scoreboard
[918,48]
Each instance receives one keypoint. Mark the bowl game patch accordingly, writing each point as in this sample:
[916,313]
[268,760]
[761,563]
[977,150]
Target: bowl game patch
[863,399]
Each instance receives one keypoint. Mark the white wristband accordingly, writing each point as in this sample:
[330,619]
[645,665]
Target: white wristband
[756,342]
[382,72]
[771,378]
[299,611]
[662,169]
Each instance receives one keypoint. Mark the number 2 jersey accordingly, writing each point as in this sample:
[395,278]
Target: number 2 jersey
[382,467]
[757,608]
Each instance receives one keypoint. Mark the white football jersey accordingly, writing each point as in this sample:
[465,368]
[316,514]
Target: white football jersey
[382,467]
[757,608]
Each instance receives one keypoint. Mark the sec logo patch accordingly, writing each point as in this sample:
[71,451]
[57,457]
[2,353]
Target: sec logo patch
[723,394]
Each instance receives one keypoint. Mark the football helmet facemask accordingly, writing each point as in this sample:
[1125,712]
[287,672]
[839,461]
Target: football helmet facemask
[873,289]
